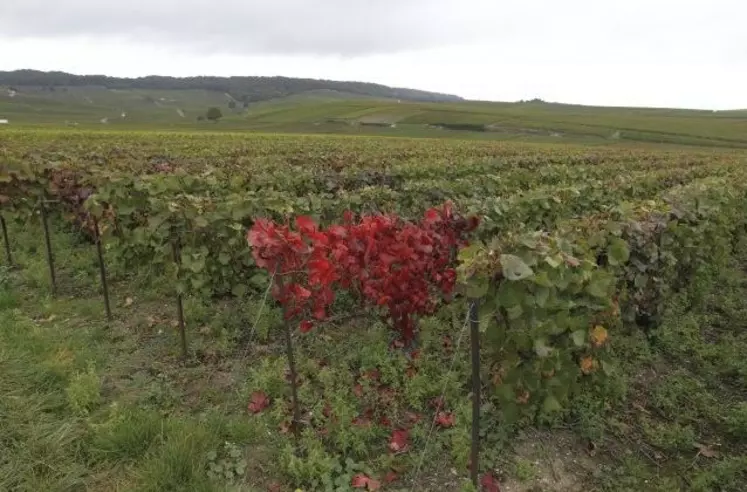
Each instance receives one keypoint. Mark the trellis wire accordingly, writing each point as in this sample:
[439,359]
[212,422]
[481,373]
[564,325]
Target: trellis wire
[258,316]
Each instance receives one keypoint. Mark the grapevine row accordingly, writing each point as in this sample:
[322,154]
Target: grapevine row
[570,248]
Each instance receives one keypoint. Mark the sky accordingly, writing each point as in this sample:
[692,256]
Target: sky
[659,53]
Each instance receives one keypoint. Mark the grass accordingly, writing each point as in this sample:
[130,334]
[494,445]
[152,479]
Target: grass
[95,405]
[681,426]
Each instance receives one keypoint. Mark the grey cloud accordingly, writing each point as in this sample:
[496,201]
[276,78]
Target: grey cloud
[543,30]
[323,27]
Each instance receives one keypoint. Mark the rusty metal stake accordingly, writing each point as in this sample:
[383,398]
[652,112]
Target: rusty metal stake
[296,426]
[474,323]
[176,247]
[8,255]
[102,268]
[48,241]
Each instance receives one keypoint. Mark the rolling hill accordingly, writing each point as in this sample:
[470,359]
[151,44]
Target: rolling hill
[274,104]
[242,89]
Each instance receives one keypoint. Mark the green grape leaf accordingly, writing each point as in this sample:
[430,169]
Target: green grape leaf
[551,404]
[579,337]
[514,268]
[618,252]
[239,290]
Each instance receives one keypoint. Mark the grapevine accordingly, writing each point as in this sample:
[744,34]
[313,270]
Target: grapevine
[400,266]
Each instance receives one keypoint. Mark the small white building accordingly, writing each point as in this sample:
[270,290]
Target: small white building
[3,121]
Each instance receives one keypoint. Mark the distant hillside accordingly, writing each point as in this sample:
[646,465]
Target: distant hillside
[243,89]
[531,120]
[282,105]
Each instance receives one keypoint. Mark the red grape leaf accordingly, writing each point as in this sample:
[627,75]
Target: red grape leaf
[305,223]
[358,390]
[258,402]
[398,441]
[359,481]
[489,483]
[445,419]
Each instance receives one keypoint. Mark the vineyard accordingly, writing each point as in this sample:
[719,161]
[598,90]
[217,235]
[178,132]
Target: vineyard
[233,312]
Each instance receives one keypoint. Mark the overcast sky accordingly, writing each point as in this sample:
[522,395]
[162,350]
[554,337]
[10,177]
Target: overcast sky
[675,53]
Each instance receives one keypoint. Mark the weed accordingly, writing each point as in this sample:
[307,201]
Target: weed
[127,434]
[8,296]
[670,437]
[226,464]
[179,461]
[84,391]
[316,468]
[728,474]
[736,421]
[524,470]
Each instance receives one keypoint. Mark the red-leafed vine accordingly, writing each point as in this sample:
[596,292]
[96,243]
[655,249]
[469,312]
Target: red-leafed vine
[403,267]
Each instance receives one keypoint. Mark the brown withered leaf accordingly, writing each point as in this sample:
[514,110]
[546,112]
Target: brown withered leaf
[706,451]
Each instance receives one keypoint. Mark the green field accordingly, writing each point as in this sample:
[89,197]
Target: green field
[331,112]
[616,364]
